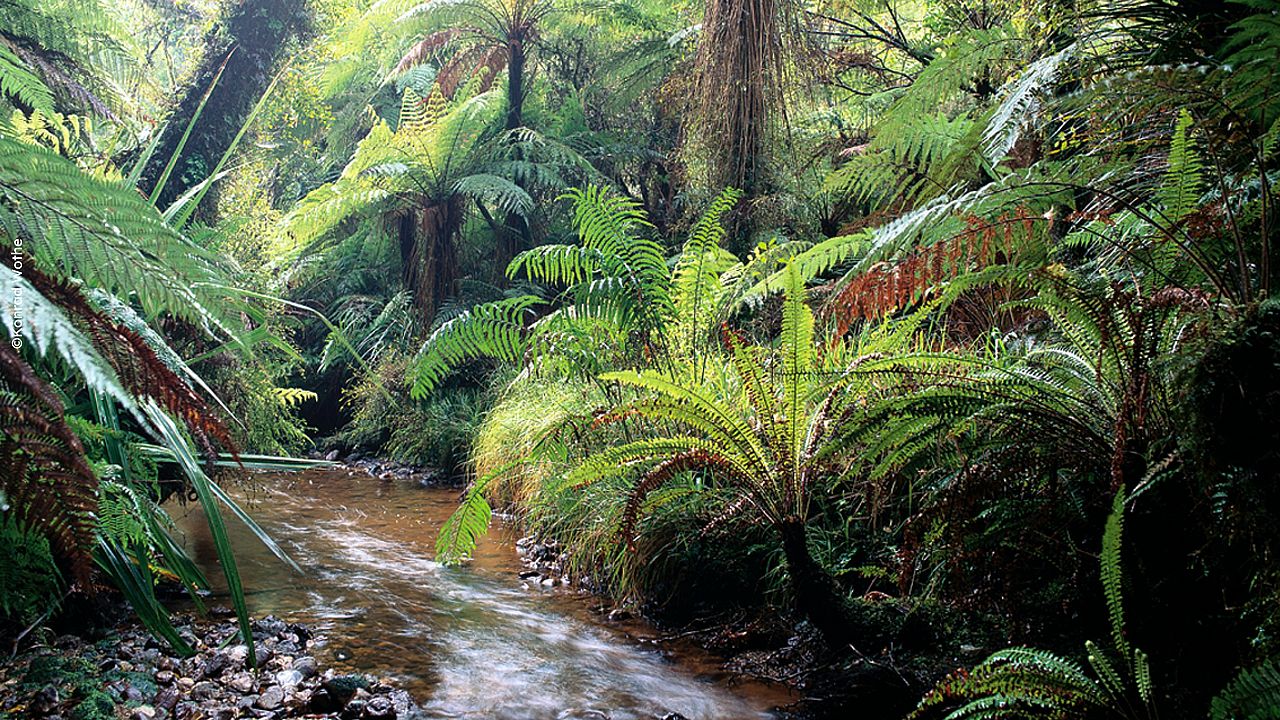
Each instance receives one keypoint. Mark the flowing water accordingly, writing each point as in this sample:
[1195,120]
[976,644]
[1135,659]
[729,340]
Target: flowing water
[469,642]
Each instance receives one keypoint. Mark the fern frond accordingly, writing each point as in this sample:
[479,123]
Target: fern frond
[495,330]
[44,477]
[293,397]
[19,82]
[1254,694]
[1113,574]
[104,235]
[1020,102]
[1179,194]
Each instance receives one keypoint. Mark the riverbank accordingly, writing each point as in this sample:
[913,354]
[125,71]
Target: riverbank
[907,647]
[124,672]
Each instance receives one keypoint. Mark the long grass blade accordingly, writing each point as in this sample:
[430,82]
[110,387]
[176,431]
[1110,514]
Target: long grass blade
[174,440]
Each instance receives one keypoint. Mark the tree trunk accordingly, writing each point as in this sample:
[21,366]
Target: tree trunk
[816,595]
[258,30]
[515,83]
[429,254]
[514,234]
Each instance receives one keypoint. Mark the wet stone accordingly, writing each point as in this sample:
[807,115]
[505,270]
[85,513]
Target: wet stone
[167,698]
[271,698]
[306,666]
[379,708]
[288,678]
[242,683]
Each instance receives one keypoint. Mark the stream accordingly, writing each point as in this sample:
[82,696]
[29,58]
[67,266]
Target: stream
[467,642]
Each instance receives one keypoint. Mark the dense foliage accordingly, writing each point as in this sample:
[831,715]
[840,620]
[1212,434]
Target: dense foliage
[860,310]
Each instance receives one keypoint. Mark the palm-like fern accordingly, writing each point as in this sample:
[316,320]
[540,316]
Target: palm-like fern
[418,177]
[616,284]
[768,445]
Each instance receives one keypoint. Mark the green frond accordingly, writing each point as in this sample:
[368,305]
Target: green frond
[1113,574]
[1254,694]
[50,331]
[556,264]
[495,330]
[20,83]
[469,522]
[796,346]
[293,397]
[695,281]
[621,459]
[1179,194]
[1020,103]
[104,235]
[497,192]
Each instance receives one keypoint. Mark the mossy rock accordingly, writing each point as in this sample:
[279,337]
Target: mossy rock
[342,687]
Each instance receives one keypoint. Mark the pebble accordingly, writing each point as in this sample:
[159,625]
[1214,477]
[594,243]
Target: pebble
[242,682]
[215,683]
[271,698]
[288,678]
[380,708]
[306,665]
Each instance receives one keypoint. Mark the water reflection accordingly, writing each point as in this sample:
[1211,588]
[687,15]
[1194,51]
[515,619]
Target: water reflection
[468,642]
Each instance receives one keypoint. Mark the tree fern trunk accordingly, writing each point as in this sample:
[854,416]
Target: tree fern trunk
[514,234]
[816,595]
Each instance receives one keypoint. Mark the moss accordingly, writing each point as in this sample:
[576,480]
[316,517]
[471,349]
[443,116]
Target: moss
[342,687]
[95,705]
[78,680]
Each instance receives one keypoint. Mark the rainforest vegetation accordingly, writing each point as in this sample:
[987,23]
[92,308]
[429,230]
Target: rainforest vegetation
[932,340]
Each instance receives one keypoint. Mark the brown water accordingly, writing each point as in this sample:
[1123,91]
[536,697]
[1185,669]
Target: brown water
[468,642]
